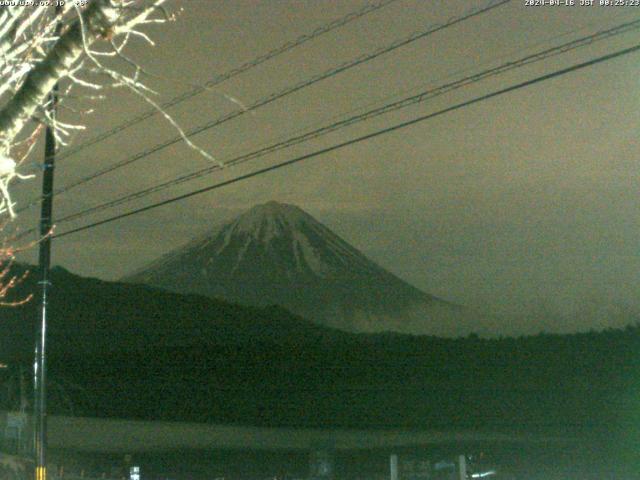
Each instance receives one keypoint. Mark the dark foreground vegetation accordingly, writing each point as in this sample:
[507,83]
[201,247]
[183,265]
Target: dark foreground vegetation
[119,350]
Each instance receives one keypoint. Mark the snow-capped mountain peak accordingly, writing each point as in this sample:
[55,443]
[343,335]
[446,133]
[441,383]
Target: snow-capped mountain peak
[269,219]
[277,253]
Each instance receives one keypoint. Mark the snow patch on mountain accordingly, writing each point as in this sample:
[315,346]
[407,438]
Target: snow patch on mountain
[304,251]
[268,221]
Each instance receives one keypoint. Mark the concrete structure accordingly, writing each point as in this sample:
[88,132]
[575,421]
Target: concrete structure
[113,435]
[83,441]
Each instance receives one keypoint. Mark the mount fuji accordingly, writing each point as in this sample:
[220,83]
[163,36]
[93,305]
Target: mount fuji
[276,253]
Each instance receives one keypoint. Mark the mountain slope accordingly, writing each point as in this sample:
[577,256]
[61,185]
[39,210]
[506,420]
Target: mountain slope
[278,254]
[91,316]
[131,351]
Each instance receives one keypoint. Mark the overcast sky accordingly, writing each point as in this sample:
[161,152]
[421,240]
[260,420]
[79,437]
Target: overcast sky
[523,203]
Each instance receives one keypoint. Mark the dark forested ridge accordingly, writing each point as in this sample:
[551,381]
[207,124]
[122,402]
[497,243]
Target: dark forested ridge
[130,351]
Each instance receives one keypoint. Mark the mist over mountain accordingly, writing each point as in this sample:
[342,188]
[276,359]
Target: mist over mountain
[278,254]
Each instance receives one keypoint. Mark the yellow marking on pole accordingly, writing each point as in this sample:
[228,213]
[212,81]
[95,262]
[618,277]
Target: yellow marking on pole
[41,473]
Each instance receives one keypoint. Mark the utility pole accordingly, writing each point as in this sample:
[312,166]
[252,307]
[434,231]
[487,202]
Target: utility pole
[46,222]
[462,467]
[393,467]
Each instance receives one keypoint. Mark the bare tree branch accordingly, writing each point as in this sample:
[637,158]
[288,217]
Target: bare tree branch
[34,57]
[99,19]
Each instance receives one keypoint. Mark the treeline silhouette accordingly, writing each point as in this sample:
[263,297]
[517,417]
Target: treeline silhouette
[130,351]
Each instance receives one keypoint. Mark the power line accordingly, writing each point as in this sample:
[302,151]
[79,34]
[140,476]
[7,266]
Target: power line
[362,138]
[402,103]
[420,97]
[283,93]
[197,90]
